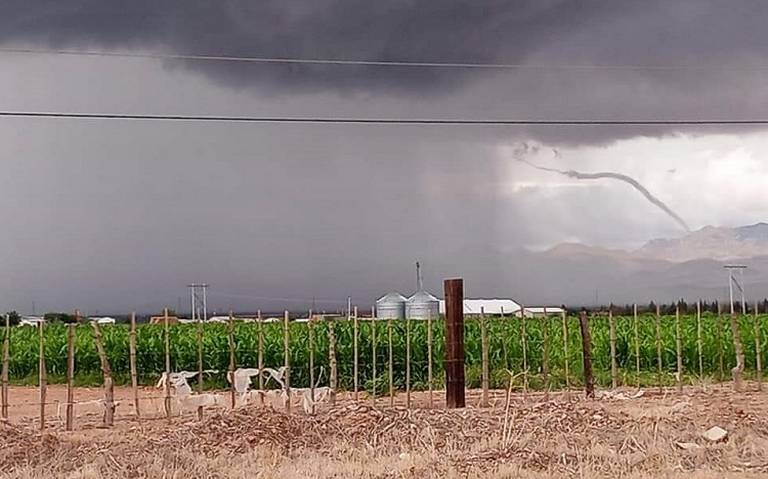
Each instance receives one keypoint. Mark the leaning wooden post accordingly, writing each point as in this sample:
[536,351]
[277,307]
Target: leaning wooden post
[699,342]
[6,364]
[430,384]
[566,356]
[311,333]
[758,349]
[679,351]
[720,355]
[260,360]
[167,337]
[484,358]
[70,374]
[545,355]
[200,334]
[132,365]
[390,363]
[586,350]
[355,333]
[524,342]
[612,338]
[42,374]
[231,368]
[637,344]
[454,343]
[738,348]
[408,363]
[333,374]
[373,355]
[658,349]
[287,361]
[106,370]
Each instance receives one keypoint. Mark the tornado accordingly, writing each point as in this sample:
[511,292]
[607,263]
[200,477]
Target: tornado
[600,175]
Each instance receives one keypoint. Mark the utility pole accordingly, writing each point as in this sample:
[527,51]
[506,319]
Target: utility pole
[198,299]
[732,281]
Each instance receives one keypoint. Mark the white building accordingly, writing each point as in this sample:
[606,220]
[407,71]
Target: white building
[488,306]
[498,306]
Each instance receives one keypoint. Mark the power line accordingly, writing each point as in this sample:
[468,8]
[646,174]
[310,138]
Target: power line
[369,121]
[273,298]
[382,63]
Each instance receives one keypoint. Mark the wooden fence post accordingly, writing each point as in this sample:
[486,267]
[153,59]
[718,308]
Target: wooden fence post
[430,384]
[70,375]
[6,364]
[658,349]
[333,375]
[720,354]
[132,365]
[586,349]
[42,374]
[699,341]
[738,348]
[390,363]
[373,354]
[504,349]
[232,360]
[758,348]
[167,337]
[260,360]
[614,365]
[524,341]
[311,334]
[287,360]
[679,351]
[545,358]
[407,363]
[106,370]
[454,343]
[200,337]
[637,344]
[567,357]
[355,354]
[484,357]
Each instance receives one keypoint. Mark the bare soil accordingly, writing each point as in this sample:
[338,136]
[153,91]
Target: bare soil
[534,435]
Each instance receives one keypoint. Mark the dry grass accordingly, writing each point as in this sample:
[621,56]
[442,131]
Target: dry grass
[636,438]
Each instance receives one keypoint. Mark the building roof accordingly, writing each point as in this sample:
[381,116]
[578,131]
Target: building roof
[422,296]
[392,297]
[489,306]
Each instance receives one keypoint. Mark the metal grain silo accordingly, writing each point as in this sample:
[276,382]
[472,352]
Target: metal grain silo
[391,306]
[422,305]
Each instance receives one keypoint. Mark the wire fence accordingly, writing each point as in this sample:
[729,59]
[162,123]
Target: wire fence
[383,358]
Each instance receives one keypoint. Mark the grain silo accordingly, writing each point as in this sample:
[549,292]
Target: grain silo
[422,305]
[391,306]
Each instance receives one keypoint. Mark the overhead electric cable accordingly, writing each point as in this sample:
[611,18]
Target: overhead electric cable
[371,120]
[383,63]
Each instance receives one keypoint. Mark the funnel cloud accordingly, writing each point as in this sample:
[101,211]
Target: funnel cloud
[525,149]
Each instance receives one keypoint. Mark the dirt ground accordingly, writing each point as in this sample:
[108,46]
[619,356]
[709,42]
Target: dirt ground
[531,436]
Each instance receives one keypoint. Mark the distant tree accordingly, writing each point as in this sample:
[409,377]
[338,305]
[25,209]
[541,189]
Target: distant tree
[652,307]
[65,318]
[13,318]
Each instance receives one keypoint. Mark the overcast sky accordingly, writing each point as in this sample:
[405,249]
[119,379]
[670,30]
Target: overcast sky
[120,215]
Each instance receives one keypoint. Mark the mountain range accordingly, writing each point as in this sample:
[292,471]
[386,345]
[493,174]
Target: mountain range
[662,270]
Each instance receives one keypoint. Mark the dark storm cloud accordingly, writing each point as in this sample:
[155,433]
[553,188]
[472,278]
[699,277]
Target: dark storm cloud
[718,38]
[474,31]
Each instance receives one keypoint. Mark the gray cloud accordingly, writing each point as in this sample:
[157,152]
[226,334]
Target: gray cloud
[122,215]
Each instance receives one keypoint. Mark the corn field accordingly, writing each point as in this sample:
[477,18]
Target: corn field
[505,350]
